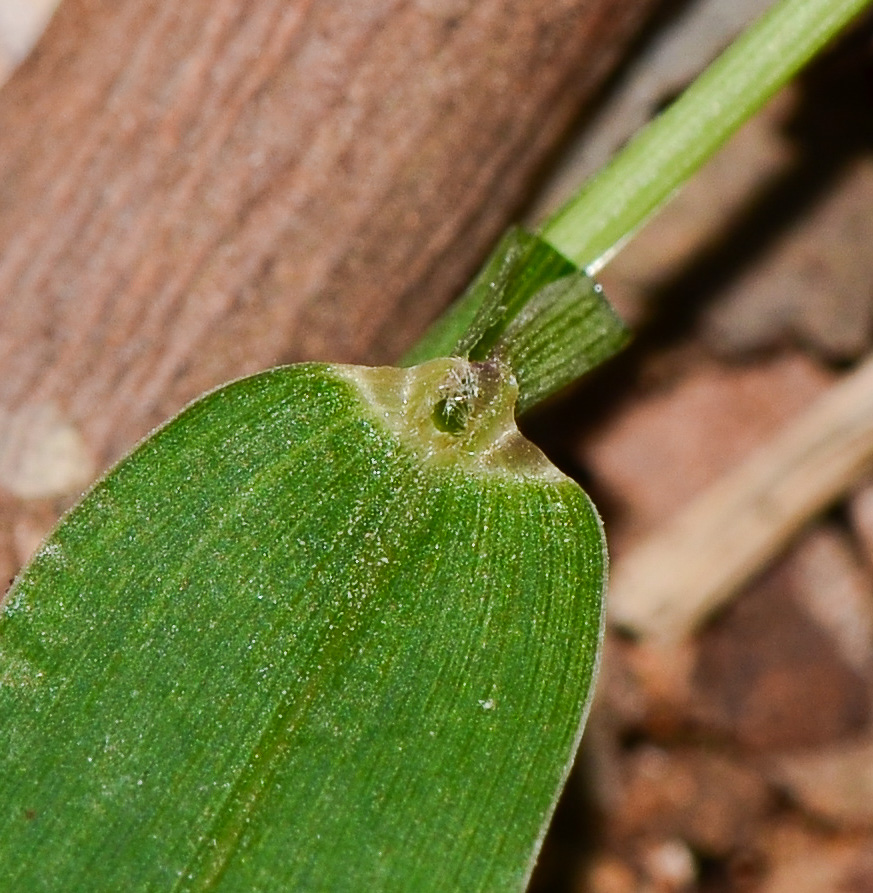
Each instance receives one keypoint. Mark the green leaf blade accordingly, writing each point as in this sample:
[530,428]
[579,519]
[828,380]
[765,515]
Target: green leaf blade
[331,649]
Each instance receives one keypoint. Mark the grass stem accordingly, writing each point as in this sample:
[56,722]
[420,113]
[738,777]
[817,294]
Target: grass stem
[617,200]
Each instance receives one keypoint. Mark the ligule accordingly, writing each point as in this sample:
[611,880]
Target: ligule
[533,309]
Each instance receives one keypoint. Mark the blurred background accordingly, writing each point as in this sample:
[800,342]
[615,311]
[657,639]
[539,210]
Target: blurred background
[730,747]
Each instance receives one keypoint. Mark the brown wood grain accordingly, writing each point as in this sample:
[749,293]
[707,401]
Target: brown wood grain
[193,191]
